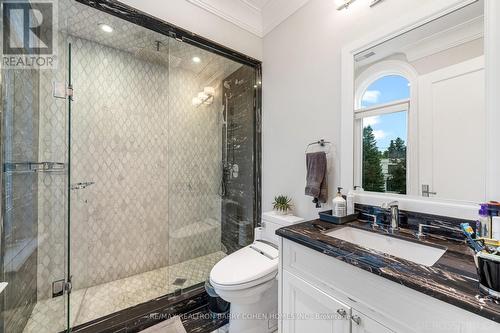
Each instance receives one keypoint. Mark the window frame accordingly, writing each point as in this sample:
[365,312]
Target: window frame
[365,79]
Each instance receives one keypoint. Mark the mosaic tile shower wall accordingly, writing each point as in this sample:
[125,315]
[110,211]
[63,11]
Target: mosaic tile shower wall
[153,159]
[20,118]
[194,159]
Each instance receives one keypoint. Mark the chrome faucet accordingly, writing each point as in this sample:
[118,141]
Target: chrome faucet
[420,234]
[393,206]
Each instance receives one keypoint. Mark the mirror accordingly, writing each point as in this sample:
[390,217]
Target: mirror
[419,110]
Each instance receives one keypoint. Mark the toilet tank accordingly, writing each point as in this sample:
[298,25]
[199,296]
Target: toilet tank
[271,221]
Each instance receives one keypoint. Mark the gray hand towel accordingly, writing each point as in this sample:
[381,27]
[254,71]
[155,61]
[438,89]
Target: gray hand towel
[317,185]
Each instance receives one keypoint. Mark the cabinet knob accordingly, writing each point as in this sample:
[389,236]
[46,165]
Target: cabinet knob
[356,319]
[342,312]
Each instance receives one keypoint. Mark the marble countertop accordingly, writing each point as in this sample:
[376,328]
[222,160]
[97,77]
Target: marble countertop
[453,279]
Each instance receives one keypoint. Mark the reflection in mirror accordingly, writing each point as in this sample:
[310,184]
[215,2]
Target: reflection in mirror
[419,110]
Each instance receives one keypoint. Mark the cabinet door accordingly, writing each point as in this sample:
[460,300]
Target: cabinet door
[307,309]
[364,324]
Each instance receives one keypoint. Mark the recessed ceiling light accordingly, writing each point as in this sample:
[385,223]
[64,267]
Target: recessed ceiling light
[105,27]
[196,60]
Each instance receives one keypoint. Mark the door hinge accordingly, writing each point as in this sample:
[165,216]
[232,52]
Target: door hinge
[61,287]
[68,287]
[69,92]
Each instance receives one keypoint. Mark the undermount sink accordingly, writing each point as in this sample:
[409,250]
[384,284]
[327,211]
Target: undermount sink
[411,251]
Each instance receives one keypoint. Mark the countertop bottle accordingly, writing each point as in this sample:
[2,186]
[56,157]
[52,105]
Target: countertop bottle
[339,205]
[485,221]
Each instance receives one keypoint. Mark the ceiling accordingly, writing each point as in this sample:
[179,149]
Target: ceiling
[256,16]
[82,21]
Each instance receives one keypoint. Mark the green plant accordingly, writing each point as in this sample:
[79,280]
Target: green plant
[282,203]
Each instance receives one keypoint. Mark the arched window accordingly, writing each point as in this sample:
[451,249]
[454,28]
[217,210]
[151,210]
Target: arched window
[387,89]
[382,116]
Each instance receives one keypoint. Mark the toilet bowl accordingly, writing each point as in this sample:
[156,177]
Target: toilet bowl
[247,279]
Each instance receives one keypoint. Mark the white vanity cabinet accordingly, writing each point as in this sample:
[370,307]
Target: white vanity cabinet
[322,294]
[308,309]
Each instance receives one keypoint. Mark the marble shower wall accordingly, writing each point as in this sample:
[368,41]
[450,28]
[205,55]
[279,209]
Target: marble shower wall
[154,160]
[239,202]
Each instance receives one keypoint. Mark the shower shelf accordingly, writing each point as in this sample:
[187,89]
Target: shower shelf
[27,167]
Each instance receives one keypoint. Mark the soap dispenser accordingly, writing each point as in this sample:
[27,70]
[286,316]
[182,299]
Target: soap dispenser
[339,205]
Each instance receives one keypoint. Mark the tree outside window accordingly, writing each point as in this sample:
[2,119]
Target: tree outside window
[384,137]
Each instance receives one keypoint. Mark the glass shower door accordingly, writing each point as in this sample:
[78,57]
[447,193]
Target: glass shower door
[34,189]
[211,161]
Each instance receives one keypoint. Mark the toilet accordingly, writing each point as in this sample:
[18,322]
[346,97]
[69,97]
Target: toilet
[247,278]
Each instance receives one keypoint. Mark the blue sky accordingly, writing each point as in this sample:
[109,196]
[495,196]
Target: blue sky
[389,126]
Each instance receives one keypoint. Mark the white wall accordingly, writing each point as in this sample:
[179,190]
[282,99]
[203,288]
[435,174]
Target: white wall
[195,19]
[302,88]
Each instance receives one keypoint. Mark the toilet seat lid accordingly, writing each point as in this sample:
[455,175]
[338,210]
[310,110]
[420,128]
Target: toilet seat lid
[254,262]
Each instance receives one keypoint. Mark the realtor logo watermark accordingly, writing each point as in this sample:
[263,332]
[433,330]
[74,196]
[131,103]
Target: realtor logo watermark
[29,38]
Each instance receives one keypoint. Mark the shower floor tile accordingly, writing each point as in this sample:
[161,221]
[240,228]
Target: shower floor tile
[50,315]
[98,301]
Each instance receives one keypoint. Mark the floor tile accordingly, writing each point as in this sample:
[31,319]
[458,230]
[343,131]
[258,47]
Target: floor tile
[98,301]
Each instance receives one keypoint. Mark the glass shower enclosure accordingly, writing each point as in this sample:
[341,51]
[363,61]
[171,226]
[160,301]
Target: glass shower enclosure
[129,170]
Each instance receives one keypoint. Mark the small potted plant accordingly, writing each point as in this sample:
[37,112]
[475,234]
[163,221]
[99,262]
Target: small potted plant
[282,204]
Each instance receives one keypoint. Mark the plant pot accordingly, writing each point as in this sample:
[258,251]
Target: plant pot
[281,212]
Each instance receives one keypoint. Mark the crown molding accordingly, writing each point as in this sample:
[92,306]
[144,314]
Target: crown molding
[236,13]
[249,16]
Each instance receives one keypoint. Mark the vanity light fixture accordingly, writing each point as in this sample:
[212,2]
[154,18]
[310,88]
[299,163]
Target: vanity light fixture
[375,2]
[196,101]
[205,97]
[210,91]
[106,28]
[196,60]
[202,96]
[344,4]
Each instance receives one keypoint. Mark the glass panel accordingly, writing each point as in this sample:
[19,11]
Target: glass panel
[210,162]
[34,184]
[384,152]
[148,190]
[387,89]
[119,143]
